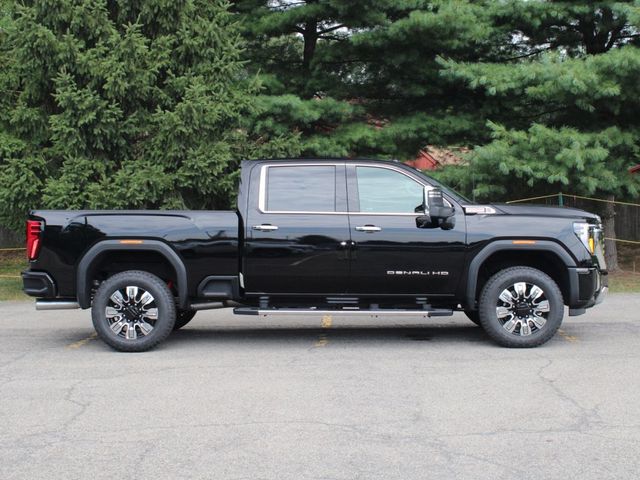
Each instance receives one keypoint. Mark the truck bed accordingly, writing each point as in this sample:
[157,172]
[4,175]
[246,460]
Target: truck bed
[207,241]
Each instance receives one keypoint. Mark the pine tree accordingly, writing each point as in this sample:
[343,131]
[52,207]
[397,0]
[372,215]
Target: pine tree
[124,105]
[565,110]
[362,78]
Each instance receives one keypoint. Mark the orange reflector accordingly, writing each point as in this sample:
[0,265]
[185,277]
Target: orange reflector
[592,245]
[132,242]
[524,242]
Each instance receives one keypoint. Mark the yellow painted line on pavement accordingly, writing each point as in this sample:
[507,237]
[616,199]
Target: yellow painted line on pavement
[82,342]
[567,337]
[322,341]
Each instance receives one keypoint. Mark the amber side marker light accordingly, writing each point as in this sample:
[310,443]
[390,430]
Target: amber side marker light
[524,242]
[131,242]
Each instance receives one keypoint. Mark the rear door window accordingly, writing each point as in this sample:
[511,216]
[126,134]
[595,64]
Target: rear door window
[301,188]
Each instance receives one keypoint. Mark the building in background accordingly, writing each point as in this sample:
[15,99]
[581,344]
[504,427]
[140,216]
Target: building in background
[433,158]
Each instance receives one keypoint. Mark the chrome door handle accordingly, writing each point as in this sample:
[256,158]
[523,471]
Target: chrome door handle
[265,228]
[368,228]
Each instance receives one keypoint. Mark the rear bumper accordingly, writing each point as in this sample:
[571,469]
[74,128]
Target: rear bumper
[589,287]
[38,284]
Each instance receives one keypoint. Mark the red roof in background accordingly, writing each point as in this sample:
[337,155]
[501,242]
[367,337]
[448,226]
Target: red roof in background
[635,169]
[424,161]
[432,157]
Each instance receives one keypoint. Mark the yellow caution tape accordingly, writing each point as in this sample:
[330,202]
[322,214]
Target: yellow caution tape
[11,249]
[601,200]
[533,198]
[620,240]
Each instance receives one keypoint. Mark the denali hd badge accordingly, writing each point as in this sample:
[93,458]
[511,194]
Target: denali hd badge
[417,272]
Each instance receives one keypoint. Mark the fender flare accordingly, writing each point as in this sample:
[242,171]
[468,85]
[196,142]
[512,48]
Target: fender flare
[501,245]
[84,289]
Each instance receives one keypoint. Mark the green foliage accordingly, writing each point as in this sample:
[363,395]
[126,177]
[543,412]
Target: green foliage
[550,160]
[564,112]
[125,105]
[151,104]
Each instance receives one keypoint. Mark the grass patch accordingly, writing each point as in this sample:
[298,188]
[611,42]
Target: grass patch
[624,282]
[11,264]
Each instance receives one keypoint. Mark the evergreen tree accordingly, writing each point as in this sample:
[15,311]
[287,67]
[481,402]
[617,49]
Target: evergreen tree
[565,112]
[115,104]
[372,84]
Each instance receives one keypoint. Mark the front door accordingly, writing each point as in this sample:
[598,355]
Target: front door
[390,255]
[297,230]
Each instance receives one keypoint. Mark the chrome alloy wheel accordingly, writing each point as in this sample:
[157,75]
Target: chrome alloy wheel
[131,312]
[522,309]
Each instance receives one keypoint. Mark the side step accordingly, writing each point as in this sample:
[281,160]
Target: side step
[264,312]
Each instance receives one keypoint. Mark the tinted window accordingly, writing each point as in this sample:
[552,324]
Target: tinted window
[386,191]
[301,189]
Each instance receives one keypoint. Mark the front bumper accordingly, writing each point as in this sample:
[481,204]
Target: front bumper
[588,287]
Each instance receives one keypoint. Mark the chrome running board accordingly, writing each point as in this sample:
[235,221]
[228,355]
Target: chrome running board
[264,312]
[56,304]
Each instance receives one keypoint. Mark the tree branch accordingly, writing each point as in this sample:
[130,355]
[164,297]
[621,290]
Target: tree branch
[330,29]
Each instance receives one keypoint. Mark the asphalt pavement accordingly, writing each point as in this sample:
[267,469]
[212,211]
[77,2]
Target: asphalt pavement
[320,398]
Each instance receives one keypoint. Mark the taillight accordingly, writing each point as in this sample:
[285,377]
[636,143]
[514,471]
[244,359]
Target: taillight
[34,229]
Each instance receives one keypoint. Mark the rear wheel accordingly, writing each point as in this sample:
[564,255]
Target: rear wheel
[183,317]
[521,307]
[133,311]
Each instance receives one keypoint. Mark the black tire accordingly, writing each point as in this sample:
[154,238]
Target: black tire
[526,333]
[125,326]
[474,316]
[183,317]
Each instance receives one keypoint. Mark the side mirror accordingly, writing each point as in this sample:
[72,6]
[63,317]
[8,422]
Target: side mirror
[436,206]
[436,213]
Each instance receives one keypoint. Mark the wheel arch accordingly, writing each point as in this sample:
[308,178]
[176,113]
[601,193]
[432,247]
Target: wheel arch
[503,252]
[97,252]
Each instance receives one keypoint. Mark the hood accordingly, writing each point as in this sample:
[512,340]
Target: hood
[544,211]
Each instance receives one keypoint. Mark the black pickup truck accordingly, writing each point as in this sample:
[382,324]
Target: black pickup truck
[344,237]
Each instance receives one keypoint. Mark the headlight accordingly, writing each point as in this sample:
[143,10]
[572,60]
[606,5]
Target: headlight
[585,233]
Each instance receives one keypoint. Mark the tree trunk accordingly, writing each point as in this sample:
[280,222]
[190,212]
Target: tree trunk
[609,225]
[310,37]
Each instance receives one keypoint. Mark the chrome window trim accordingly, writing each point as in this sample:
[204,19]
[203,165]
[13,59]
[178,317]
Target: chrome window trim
[262,191]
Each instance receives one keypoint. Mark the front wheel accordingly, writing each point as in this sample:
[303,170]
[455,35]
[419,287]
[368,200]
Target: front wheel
[521,307]
[133,311]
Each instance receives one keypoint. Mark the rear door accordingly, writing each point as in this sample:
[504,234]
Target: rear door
[391,255]
[297,229]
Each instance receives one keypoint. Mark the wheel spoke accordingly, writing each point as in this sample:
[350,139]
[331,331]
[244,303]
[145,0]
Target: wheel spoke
[151,314]
[542,307]
[535,293]
[118,326]
[116,297]
[145,327]
[520,289]
[507,297]
[132,293]
[510,325]
[146,299]
[525,328]
[131,332]
[503,312]
[111,312]
[538,321]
